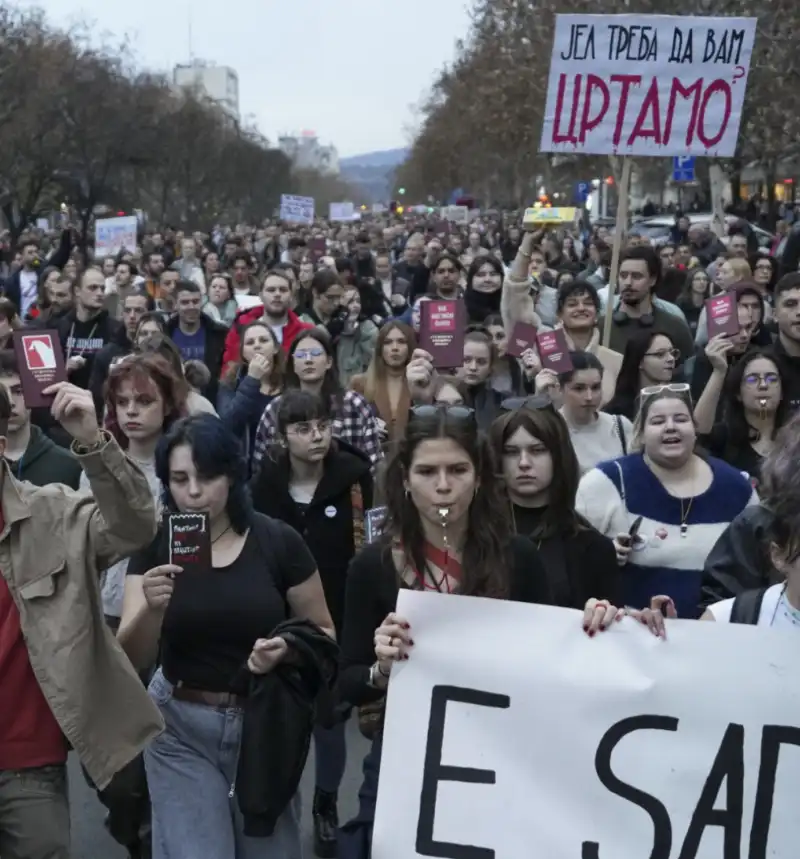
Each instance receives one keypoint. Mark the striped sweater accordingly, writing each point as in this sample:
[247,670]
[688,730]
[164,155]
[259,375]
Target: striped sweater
[615,493]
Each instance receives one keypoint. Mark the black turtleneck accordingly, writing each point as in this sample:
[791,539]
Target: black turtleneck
[579,565]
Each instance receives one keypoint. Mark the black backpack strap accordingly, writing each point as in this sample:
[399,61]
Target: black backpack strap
[621,433]
[747,607]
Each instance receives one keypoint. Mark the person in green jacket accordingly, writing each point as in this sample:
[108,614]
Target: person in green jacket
[30,454]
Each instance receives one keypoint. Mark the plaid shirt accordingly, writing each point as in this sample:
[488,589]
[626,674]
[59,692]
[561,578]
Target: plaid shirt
[353,422]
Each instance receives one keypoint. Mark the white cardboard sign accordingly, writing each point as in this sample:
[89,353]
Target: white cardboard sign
[457,214]
[512,734]
[111,235]
[647,84]
[341,212]
[297,210]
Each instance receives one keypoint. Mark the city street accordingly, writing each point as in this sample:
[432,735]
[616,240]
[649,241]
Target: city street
[91,841]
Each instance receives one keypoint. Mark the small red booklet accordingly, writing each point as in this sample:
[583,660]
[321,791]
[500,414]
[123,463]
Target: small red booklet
[522,338]
[722,315]
[189,541]
[41,364]
[442,327]
[554,351]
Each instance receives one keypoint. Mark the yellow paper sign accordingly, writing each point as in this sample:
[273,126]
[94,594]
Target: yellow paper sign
[549,216]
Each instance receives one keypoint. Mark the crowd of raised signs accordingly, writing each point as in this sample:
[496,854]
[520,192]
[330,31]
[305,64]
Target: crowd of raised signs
[263,433]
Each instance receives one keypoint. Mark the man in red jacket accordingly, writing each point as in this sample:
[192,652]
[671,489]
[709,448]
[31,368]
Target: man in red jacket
[276,298]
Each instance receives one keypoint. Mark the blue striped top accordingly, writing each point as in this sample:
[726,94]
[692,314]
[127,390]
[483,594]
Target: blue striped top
[662,561]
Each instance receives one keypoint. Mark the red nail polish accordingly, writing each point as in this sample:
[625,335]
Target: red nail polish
[406,626]
[411,642]
[591,633]
[585,627]
[405,656]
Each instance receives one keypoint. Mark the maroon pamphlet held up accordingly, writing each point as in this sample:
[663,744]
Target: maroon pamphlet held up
[554,351]
[189,541]
[522,338]
[441,332]
[722,315]
[41,364]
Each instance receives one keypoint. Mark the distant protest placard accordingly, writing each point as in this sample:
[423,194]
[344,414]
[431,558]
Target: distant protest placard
[111,235]
[647,84]
[510,733]
[341,212]
[297,210]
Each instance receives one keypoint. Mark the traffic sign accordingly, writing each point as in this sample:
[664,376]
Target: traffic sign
[683,168]
[582,191]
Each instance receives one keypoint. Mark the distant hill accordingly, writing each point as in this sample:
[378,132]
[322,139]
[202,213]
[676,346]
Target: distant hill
[373,172]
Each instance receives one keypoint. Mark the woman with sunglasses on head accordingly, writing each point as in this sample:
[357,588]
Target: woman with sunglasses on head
[310,366]
[448,531]
[741,409]
[250,384]
[663,505]
[541,474]
[322,488]
[650,358]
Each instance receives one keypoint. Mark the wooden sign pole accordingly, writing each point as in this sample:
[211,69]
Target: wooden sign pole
[616,249]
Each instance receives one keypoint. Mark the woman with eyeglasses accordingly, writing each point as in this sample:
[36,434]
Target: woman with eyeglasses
[741,409]
[310,367]
[322,488]
[663,505]
[448,531]
[541,474]
[692,299]
[250,384]
[650,358]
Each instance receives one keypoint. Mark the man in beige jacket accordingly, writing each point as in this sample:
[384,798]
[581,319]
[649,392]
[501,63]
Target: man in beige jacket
[64,680]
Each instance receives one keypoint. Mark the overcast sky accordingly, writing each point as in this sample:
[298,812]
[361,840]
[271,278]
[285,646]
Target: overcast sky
[351,70]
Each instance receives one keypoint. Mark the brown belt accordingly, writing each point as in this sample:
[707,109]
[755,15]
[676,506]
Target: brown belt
[218,700]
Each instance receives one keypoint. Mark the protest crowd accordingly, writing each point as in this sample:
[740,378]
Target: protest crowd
[284,386]
[228,453]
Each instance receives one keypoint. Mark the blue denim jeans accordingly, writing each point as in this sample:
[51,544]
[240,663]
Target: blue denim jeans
[190,770]
[330,756]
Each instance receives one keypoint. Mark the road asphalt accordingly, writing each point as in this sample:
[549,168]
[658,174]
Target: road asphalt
[91,841]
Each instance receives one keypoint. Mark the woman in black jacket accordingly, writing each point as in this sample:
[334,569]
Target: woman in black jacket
[541,474]
[321,488]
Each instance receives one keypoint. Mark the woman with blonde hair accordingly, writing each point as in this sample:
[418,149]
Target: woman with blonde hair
[384,384]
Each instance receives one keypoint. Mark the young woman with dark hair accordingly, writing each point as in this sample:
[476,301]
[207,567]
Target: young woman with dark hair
[484,288]
[206,625]
[692,299]
[742,409]
[541,474]
[650,358]
[322,488]
[250,384]
[384,385]
[161,345]
[310,367]
[508,378]
[447,530]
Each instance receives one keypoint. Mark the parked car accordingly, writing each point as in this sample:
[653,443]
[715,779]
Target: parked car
[659,228]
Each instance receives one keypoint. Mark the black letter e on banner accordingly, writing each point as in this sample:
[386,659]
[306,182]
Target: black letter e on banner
[434,771]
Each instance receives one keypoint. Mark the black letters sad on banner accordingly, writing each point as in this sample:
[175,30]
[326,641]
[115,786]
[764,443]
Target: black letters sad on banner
[727,770]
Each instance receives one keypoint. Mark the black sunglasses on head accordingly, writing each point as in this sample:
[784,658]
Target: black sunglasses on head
[535,401]
[433,410]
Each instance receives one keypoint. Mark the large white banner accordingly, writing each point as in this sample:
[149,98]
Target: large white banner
[512,734]
[647,84]
[341,212]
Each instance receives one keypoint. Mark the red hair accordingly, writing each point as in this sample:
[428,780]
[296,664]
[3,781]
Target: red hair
[146,372]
